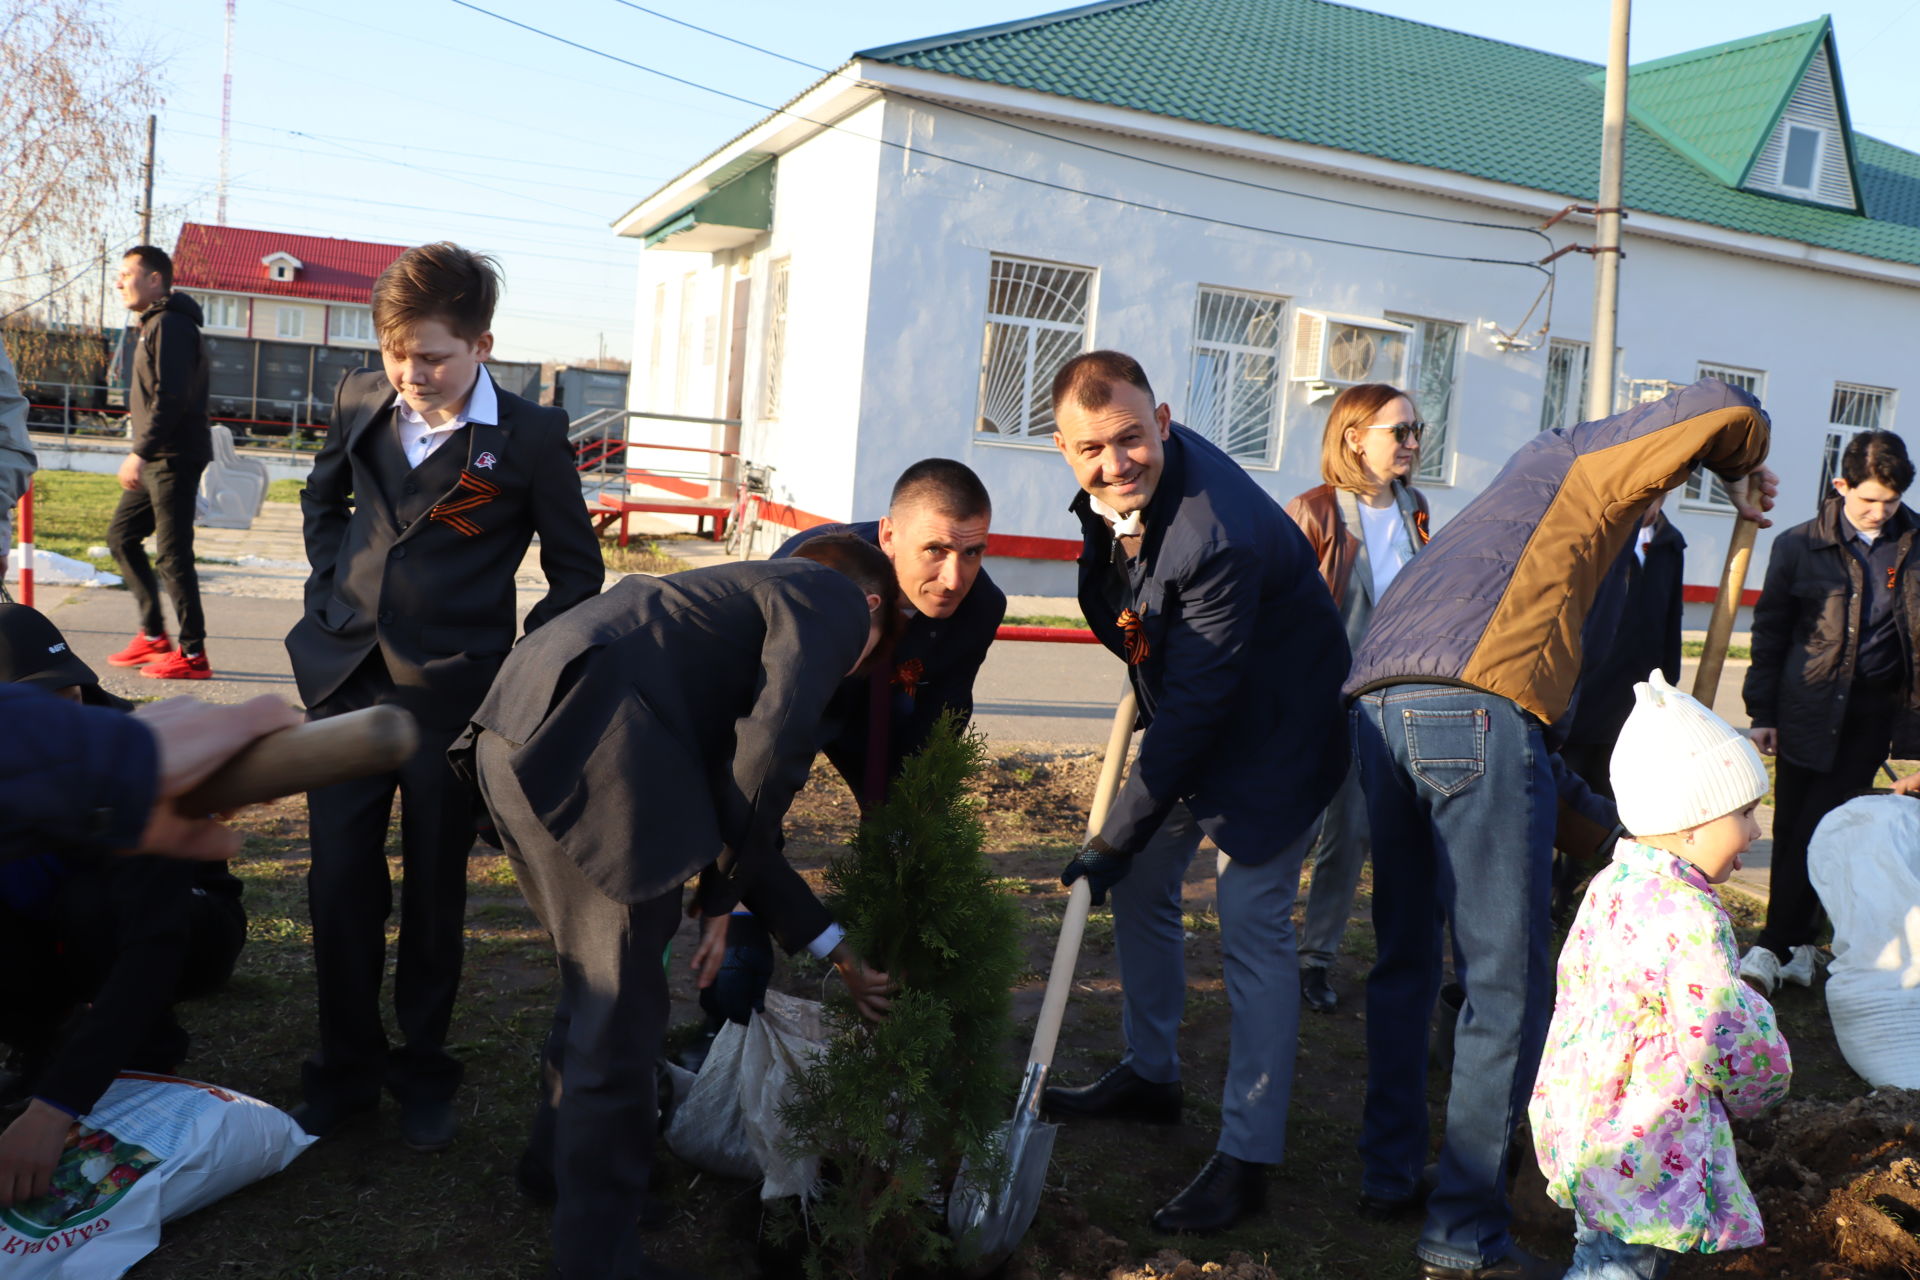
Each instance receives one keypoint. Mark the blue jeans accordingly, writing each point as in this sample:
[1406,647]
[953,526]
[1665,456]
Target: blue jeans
[1599,1256]
[1462,805]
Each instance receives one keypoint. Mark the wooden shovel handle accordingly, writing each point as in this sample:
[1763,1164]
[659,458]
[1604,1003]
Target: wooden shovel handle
[1066,952]
[317,754]
[1733,580]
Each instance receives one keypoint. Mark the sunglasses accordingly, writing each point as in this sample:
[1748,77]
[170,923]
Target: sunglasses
[1403,432]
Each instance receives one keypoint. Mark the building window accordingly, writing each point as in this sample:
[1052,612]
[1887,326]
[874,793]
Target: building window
[1433,367]
[776,349]
[1703,487]
[1566,398]
[226,312]
[290,323]
[1232,393]
[350,324]
[1036,322]
[1854,409]
[1800,161]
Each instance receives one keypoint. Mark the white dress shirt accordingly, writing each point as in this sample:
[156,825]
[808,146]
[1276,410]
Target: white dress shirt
[418,440]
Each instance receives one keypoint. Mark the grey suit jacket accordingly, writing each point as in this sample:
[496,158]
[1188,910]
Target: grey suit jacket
[665,726]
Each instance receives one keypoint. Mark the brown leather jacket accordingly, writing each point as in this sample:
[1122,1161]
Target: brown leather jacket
[1338,548]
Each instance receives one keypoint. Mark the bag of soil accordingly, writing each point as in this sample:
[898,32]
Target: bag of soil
[729,1122]
[1864,861]
[153,1149]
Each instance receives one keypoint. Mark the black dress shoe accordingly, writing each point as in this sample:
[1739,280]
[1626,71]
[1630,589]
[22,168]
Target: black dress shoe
[325,1116]
[533,1178]
[1386,1209]
[1317,989]
[1517,1265]
[1118,1095]
[1225,1190]
[428,1124]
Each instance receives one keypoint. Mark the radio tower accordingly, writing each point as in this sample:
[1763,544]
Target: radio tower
[226,119]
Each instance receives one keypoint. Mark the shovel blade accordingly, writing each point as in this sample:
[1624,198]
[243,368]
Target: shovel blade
[988,1222]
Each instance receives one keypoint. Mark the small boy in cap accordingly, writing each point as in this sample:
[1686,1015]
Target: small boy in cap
[102,948]
[1655,1041]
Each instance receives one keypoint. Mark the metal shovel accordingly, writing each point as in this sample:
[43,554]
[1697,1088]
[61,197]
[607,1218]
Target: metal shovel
[987,1223]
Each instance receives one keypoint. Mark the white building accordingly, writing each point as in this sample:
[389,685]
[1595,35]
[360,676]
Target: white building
[1261,200]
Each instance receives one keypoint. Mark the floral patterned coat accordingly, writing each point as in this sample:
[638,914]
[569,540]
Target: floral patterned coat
[1654,1043]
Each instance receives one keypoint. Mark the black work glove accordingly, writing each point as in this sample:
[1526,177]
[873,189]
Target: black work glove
[1102,867]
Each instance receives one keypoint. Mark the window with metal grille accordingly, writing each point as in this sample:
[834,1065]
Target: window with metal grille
[776,351]
[1854,409]
[1233,390]
[1703,487]
[1036,322]
[1433,365]
[1566,397]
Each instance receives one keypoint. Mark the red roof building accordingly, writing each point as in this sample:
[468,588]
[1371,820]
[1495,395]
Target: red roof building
[281,286]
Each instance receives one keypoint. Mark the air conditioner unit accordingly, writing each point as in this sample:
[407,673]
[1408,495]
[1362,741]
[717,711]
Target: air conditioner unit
[1333,351]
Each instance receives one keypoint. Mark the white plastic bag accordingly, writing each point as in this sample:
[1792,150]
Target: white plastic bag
[1864,861]
[729,1122]
[153,1149]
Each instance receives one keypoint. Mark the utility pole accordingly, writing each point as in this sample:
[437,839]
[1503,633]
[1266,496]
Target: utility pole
[1606,216]
[103,284]
[146,208]
[226,119]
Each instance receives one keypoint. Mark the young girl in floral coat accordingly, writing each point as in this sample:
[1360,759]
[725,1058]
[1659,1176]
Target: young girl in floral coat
[1655,1041]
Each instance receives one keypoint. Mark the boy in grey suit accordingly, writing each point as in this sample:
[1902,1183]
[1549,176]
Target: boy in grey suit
[653,734]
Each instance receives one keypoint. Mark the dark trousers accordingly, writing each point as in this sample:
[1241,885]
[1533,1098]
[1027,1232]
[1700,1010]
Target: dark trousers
[596,1121]
[1462,805]
[162,506]
[1802,796]
[350,896]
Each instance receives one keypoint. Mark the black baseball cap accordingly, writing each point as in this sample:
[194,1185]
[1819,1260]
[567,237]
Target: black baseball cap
[32,651]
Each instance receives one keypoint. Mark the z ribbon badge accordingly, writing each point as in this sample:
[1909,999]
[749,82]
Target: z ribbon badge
[908,676]
[485,461]
[1135,632]
[478,494]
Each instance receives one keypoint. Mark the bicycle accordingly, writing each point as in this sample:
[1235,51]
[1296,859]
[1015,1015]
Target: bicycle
[744,521]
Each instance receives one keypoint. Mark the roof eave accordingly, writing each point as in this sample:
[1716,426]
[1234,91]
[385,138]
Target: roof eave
[823,104]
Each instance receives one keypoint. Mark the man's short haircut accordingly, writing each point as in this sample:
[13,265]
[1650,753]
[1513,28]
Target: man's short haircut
[1877,455]
[1340,466]
[443,282]
[871,571]
[1088,379]
[948,487]
[153,259]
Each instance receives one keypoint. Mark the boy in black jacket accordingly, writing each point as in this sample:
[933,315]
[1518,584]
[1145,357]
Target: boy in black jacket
[167,406]
[419,508]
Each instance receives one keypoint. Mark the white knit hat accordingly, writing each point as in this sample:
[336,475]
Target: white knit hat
[1676,764]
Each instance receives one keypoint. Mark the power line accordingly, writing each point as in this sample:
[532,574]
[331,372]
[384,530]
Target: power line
[1094,146]
[1002,173]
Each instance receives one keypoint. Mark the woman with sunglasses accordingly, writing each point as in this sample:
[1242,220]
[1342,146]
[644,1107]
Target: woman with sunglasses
[1364,523]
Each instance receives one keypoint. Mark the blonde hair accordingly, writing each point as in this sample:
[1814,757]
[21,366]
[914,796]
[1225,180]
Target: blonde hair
[1340,466]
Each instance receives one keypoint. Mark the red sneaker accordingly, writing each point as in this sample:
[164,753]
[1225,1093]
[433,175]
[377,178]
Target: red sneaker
[143,650]
[178,665]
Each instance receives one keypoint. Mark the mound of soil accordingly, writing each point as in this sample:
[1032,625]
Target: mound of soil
[1839,1187]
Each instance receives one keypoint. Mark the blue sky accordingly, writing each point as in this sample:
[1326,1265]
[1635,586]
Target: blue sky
[414,120]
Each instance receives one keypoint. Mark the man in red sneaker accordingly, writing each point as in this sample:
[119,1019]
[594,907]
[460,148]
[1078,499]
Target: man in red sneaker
[167,405]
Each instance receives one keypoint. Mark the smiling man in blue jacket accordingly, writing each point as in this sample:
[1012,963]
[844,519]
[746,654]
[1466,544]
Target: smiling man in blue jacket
[1194,577]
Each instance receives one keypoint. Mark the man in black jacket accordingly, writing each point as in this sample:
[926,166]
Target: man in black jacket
[935,533]
[167,408]
[419,508]
[1197,579]
[1835,680]
[655,733]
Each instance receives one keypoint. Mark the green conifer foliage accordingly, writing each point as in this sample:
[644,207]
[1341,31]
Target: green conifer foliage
[892,1108]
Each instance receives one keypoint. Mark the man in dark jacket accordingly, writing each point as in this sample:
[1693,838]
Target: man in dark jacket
[652,734]
[935,533]
[419,509]
[167,409]
[1834,682]
[1474,651]
[1197,579]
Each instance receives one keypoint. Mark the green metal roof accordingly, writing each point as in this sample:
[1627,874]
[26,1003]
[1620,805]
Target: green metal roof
[1335,76]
